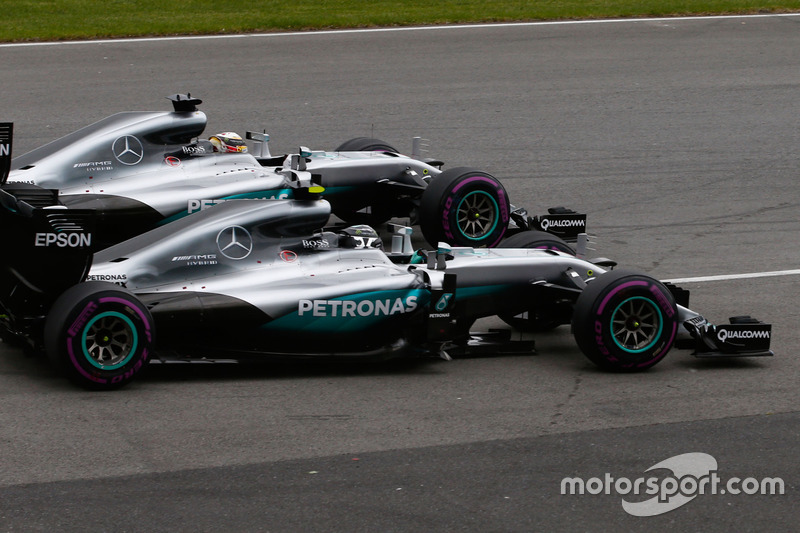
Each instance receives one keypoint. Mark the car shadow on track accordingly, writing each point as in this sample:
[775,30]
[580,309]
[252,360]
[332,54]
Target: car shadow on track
[38,373]
[727,363]
[283,369]
[553,348]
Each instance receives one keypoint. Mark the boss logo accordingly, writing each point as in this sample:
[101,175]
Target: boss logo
[193,150]
[316,244]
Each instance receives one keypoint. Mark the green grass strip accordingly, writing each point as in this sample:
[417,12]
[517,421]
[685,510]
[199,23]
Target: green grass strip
[38,20]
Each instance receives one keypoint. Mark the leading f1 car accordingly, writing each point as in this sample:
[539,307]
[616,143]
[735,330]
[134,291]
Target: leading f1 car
[140,170]
[255,278]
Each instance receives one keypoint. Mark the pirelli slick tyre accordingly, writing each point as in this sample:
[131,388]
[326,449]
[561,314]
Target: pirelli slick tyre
[536,318]
[100,335]
[366,144]
[625,321]
[464,207]
[537,239]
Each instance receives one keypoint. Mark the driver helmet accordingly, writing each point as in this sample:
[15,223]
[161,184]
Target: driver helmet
[228,142]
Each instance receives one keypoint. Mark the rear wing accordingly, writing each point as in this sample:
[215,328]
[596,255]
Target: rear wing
[47,248]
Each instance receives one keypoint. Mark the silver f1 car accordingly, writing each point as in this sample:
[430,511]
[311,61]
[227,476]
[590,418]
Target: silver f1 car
[139,170]
[252,278]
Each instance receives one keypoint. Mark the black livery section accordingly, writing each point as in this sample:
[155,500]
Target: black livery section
[47,248]
[218,322]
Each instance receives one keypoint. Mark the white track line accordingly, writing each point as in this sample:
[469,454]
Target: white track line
[728,277]
[278,34]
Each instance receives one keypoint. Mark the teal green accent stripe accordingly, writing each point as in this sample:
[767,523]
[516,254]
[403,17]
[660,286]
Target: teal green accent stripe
[329,315]
[349,314]
[273,194]
[465,293]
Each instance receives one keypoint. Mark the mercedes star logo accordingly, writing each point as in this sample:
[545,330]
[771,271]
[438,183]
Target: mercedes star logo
[128,150]
[234,242]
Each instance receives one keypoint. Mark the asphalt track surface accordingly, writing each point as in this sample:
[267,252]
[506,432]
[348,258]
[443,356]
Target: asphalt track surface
[679,139]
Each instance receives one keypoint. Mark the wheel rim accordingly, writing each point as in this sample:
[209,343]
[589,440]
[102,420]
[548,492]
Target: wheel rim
[109,340]
[636,324]
[477,215]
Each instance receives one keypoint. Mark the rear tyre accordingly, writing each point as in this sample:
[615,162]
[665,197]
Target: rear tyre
[464,207]
[625,321]
[100,335]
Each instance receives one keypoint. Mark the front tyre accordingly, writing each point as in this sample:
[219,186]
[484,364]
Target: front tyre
[464,207]
[366,144]
[100,335]
[537,239]
[625,321]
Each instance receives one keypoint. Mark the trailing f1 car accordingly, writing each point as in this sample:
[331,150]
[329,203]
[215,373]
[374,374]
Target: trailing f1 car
[139,170]
[258,278]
